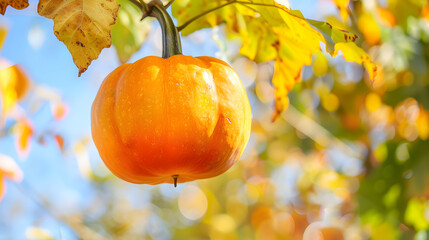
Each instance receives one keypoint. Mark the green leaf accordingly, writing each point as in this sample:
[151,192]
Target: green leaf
[129,34]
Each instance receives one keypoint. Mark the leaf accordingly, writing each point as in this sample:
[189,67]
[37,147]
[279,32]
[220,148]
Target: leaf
[184,10]
[14,85]
[9,169]
[260,43]
[17,4]
[3,33]
[293,55]
[342,6]
[353,53]
[298,42]
[59,140]
[23,134]
[129,33]
[369,28]
[59,110]
[332,34]
[82,25]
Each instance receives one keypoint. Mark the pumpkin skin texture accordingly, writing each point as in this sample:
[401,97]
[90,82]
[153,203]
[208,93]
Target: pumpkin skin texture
[157,118]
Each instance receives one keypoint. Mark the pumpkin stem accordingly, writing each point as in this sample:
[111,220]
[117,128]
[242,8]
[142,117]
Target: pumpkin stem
[171,44]
[175,179]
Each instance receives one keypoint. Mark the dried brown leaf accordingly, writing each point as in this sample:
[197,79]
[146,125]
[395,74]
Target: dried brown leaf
[82,25]
[17,4]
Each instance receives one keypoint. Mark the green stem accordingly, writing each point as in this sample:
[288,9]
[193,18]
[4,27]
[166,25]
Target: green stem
[171,44]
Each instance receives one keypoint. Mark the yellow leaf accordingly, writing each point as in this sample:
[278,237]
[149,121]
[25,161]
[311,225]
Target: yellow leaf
[184,10]
[333,34]
[17,4]
[283,81]
[82,25]
[298,41]
[14,84]
[260,43]
[23,134]
[342,6]
[369,27]
[3,33]
[353,53]
[271,14]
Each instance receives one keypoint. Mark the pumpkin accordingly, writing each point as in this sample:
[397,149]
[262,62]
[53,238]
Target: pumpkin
[183,118]
[172,119]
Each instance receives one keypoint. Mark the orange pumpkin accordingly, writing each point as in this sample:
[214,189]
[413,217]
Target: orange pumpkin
[170,119]
[183,118]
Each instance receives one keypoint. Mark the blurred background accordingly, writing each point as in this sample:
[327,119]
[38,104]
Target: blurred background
[347,160]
